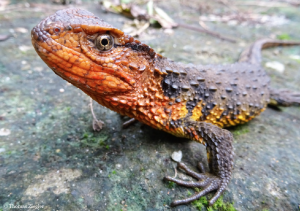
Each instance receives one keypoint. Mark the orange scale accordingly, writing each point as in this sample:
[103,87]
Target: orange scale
[123,101]
[74,77]
[164,116]
[153,110]
[175,117]
[124,62]
[73,59]
[115,99]
[157,118]
[152,122]
[68,66]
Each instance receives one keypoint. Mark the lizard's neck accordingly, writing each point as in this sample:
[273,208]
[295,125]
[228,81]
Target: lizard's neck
[147,102]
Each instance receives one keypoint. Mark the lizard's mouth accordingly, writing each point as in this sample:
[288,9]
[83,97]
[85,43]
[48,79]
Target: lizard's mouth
[70,62]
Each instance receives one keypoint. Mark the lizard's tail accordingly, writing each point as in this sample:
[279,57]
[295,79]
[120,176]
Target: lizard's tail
[252,54]
[284,97]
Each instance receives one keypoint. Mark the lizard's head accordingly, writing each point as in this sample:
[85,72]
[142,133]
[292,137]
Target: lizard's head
[91,54]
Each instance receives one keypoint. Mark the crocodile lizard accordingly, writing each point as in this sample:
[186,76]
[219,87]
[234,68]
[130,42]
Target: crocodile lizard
[129,77]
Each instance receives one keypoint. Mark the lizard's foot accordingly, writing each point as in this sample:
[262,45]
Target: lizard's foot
[206,181]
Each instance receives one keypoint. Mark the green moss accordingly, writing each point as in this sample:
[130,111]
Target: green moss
[240,130]
[197,189]
[171,184]
[198,203]
[218,205]
[113,172]
[230,207]
[284,36]
[89,139]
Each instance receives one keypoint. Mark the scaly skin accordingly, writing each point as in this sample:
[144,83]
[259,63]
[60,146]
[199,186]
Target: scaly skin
[128,77]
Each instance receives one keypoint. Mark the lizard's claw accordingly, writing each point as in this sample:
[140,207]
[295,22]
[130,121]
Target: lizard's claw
[206,181]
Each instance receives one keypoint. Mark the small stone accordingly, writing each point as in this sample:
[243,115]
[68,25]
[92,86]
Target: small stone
[21,30]
[25,67]
[4,132]
[169,31]
[118,166]
[295,57]
[25,48]
[38,69]
[176,156]
[276,66]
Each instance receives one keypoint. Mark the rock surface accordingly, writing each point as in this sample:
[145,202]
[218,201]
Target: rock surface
[52,157]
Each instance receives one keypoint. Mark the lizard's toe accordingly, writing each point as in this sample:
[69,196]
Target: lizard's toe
[206,181]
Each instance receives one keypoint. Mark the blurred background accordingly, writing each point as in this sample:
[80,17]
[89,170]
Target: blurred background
[51,158]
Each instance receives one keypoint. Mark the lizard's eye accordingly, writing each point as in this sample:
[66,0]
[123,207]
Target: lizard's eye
[104,42]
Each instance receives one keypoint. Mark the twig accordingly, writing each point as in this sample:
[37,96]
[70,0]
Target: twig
[175,172]
[4,37]
[129,122]
[206,31]
[138,32]
[203,25]
[97,124]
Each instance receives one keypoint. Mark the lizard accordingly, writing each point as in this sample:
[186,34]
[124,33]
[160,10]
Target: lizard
[190,101]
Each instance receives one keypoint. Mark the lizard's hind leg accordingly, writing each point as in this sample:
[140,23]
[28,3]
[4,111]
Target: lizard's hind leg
[218,144]
[284,97]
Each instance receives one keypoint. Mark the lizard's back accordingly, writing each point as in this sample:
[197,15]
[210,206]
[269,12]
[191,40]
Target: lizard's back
[224,95]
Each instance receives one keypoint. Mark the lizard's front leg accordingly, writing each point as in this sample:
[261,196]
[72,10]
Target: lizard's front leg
[218,144]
